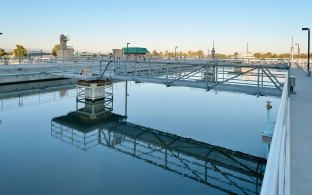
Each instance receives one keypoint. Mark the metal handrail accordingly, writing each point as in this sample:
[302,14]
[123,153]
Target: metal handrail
[276,176]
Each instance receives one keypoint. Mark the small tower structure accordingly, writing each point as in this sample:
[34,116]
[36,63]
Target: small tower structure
[65,53]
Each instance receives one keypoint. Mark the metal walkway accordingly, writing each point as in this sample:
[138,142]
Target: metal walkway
[301,134]
[255,79]
[229,171]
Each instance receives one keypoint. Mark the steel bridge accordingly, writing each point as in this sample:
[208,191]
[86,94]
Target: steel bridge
[255,79]
[229,171]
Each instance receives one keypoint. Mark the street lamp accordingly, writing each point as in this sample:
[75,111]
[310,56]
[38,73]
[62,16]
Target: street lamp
[298,53]
[127,51]
[175,52]
[308,29]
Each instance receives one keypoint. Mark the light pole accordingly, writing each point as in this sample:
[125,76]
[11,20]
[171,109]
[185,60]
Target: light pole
[298,57]
[308,29]
[127,51]
[175,52]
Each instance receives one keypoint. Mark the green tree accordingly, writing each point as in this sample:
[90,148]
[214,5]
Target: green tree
[55,48]
[2,52]
[200,53]
[155,54]
[257,55]
[236,54]
[20,51]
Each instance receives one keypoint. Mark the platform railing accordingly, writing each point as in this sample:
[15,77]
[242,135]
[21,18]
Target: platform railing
[277,175]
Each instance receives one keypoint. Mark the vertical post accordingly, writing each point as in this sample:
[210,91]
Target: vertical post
[99,136]
[166,157]
[179,70]
[216,73]
[110,71]
[208,54]
[298,55]
[150,71]
[136,71]
[207,75]
[206,171]
[167,72]
[126,99]
[309,72]
[223,74]
[258,80]
[175,52]
[100,68]
[127,51]
[261,78]
[134,148]
[112,85]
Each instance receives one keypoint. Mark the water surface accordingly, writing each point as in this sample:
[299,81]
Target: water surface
[33,161]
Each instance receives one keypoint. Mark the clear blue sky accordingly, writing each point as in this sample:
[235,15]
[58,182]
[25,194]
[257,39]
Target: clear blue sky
[100,25]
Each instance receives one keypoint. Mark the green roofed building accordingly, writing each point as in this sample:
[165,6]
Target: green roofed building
[131,53]
[134,50]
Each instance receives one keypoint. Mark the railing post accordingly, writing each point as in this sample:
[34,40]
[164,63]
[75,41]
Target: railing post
[136,71]
[258,77]
[167,72]
[207,86]
[150,71]
[179,70]
[261,78]
[110,71]
[100,67]
[216,72]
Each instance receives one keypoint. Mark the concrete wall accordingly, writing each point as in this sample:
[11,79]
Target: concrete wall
[65,54]
[18,74]
[36,86]
[118,54]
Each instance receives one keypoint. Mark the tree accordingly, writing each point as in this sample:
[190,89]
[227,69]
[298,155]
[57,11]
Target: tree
[2,52]
[236,54]
[55,48]
[257,55]
[20,51]
[200,53]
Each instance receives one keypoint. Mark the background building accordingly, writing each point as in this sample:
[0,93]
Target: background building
[131,53]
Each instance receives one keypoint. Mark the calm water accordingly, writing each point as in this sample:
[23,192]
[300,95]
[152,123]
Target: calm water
[36,158]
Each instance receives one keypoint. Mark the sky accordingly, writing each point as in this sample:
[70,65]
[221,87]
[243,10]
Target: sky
[101,25]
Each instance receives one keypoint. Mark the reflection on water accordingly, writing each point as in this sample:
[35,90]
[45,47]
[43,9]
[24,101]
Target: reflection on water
[28,98]
[220,168]
[111,149]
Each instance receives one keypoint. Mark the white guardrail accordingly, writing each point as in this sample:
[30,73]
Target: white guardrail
[277,173]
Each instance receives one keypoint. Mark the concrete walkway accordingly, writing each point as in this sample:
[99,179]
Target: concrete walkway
[301,134]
